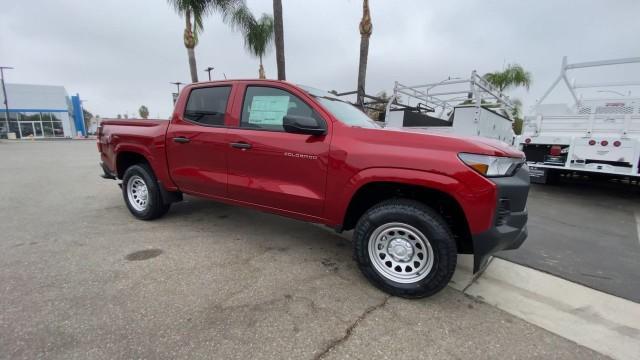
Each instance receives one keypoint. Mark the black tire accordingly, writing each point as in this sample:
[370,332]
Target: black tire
[426,221]
[154,208]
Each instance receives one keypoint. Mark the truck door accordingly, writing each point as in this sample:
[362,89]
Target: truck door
[197,145]
[273,168]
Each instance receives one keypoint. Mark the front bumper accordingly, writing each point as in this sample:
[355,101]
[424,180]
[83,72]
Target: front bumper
[509,229]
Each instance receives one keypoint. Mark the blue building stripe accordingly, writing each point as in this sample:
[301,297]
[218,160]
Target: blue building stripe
[78,117]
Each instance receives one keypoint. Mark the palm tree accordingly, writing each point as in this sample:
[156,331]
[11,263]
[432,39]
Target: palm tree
[279,38]
[233,12]
[513,75]
[366,29]
[258,38]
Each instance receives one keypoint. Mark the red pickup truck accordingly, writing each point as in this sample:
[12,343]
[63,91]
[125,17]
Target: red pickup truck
[414,200]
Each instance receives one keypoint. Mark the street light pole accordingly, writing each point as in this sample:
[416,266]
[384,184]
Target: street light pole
[208,70]
[177,84]
[175,95]
[4,94]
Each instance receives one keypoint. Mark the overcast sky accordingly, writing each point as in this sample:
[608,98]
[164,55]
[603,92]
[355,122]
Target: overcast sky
[120,54]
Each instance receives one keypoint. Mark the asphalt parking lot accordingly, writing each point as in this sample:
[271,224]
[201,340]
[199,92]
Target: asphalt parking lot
[587,232]
[81,278]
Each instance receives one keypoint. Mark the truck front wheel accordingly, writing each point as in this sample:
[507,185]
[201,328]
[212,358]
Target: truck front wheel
[405,248]
[141,193]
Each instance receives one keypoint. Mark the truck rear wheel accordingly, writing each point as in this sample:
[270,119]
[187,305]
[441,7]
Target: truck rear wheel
[405,248]
[141,193]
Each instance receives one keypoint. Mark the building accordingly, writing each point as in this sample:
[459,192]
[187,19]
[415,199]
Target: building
[41,111]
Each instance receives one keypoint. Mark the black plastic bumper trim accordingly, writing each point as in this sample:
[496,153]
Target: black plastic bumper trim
[509,229]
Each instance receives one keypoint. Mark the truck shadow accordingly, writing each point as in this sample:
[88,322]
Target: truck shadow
[209,214]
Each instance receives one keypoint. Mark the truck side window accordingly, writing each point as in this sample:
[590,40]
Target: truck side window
[207,106]
[264,107]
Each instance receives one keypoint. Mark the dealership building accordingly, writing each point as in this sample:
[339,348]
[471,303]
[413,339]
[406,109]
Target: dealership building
[40,111]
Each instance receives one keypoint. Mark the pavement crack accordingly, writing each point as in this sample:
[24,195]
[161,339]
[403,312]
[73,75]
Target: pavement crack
[349,331]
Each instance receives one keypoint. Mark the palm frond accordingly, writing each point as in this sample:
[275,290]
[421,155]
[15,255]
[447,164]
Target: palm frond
[497,79]
[225,7]
[513,75]
[234,12]
[197,23]
[239,17]
[259,37]
[198,9]
[518,76]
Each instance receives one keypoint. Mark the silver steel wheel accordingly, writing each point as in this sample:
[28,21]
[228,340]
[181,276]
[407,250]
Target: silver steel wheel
[138,193]
[400,253]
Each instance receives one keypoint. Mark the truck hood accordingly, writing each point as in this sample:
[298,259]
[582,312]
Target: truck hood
[421,139]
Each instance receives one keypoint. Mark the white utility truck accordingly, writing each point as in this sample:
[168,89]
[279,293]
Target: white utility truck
[460,106]
[593,136]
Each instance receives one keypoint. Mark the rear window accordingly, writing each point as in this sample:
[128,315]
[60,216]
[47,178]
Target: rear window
[207,106]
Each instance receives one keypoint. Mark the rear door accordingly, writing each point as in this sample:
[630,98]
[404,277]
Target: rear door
[196,142]
[273,168]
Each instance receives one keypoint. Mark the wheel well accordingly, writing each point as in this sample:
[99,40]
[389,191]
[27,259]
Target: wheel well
[374,193]
[126,159]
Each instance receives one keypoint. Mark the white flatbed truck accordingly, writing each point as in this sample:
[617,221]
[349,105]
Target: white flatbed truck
[593,136]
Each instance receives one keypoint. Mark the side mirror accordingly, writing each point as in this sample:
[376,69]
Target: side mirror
[304,125]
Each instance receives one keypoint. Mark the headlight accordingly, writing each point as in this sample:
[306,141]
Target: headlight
[492,166]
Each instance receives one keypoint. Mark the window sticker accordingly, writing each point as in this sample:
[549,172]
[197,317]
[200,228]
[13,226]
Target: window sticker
[268,110]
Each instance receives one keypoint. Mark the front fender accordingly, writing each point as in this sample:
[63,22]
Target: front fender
[477,199]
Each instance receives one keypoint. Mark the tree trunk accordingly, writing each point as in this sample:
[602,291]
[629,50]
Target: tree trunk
[190,44]
[366,29]
[261,74]
[279,38]
[192,64]
[362,69]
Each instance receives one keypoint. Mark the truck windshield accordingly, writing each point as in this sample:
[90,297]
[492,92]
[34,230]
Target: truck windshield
[342,110]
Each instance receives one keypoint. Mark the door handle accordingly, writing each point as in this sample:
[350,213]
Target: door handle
[181,140]
[240,145]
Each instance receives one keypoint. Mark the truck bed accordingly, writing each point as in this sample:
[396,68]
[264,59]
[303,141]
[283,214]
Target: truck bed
[139,136]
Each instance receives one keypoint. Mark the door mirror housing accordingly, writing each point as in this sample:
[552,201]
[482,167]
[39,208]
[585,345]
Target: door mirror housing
[304,125]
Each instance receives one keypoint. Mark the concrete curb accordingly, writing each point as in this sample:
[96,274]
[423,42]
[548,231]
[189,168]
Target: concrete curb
[605,323]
